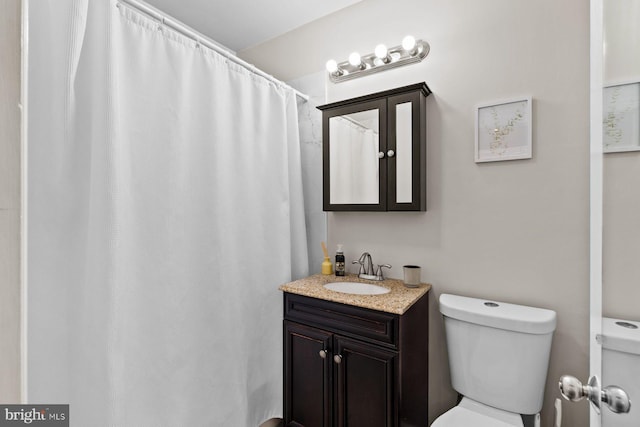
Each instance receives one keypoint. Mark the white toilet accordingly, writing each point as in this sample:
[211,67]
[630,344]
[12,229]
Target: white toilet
[621,367]
[498,356]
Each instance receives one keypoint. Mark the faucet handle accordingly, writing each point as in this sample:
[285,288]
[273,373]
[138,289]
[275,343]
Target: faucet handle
[379,274]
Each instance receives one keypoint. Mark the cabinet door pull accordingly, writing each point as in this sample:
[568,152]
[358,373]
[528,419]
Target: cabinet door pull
[337,358]
[323,354]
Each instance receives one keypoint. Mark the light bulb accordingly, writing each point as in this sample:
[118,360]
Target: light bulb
[332,66]
[354,59]
[408,43]
[381,51]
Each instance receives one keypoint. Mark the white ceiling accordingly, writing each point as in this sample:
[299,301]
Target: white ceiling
[240,24]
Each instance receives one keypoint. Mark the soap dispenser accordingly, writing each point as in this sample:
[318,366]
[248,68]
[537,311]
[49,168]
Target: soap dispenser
[340,270]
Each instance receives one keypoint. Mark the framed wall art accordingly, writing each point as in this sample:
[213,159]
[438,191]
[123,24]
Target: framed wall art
[503,130]
[621,117]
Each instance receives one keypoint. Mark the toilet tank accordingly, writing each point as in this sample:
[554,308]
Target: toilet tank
[498,352]
[621,367]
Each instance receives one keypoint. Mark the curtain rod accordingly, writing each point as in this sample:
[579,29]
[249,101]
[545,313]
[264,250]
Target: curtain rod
[357,123]
[189,32]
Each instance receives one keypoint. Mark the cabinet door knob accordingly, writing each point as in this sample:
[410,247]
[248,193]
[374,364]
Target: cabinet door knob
[337,358]
[323,354]
[380,155]
[391,153]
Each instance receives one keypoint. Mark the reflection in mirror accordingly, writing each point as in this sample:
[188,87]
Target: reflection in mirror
[403,153]
[621,198]
[353,156]
[621,204]
[621,117]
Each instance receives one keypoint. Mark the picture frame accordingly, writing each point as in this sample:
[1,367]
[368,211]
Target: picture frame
[503,130]
[621,117]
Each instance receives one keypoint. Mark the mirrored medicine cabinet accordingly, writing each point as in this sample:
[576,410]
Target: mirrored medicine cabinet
[374,151]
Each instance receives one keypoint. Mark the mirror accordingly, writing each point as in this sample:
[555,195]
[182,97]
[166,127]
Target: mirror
[353,155]
[620,198]
[355,166]
[404,153]
[621,173]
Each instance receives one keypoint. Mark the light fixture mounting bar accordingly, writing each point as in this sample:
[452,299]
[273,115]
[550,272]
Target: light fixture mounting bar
[373,64]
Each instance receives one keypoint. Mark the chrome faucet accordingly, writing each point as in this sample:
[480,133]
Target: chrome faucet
[366,265]
[366,268]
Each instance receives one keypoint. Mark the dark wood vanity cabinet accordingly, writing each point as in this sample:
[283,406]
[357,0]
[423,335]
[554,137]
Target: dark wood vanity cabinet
[347,366]
[374,151]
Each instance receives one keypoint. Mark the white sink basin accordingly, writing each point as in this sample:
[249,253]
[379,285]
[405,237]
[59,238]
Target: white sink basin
[357,288]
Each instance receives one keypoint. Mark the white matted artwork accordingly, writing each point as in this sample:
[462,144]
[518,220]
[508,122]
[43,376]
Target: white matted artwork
[503,130]
[621,117]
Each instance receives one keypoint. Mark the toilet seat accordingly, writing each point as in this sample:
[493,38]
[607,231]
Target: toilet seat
[472,413]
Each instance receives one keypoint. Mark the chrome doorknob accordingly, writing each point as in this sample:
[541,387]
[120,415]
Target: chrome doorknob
[616,399]
[380,155]
[572,389]
[391,153]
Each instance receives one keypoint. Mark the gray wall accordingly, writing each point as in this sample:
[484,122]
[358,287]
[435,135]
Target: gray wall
[10,201]
[510,231]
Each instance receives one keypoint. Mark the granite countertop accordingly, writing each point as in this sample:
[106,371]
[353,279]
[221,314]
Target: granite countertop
[397,301]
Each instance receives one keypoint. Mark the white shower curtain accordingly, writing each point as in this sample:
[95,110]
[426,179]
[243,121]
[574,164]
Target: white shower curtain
[165,207]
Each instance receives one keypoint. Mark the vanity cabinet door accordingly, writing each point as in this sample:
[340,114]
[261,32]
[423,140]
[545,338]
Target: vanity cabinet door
[307,376]
[365,383]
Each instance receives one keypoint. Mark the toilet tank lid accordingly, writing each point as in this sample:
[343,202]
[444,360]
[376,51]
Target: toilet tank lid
[511,317]
[621,335]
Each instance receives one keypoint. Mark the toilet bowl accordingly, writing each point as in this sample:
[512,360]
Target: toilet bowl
[471,413]
[498,358]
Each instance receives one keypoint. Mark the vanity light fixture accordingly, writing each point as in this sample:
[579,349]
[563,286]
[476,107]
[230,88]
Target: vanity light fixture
[409,52]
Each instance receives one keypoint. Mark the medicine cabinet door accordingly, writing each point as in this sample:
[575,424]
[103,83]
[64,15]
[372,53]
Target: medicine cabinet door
[354,154]
[406,153]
